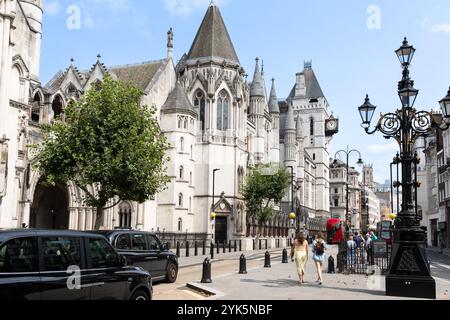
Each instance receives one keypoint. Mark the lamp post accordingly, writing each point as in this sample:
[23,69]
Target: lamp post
[292,195]
[213,214]
[348,219]
[409,272]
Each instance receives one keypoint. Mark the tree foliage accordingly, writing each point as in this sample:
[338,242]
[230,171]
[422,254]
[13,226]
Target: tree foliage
[109,146]
[264,186]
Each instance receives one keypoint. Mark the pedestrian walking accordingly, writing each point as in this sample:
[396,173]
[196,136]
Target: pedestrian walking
[351,253]
[319,256]
[369,250]
[299,253]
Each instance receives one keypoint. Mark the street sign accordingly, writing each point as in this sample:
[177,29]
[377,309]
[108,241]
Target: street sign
[380,249]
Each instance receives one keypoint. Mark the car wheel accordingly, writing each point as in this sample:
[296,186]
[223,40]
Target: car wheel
[172,273]
[140,295]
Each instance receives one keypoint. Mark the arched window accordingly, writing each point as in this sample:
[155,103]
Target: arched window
[311,124]
[185,123]
[200,105]
[182,144]
[57,106]
[36,108]
[181,173]
[180,200]
[180,121]
[223,109]
[15,84]
[125,215]
[180,225]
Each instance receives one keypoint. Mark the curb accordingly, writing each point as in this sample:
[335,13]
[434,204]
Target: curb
[211,293]
[250,257]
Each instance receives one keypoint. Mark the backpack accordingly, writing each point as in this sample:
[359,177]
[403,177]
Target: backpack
[320,249]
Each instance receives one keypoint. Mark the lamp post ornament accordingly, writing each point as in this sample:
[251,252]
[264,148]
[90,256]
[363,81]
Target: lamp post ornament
[348,218]
[409,272]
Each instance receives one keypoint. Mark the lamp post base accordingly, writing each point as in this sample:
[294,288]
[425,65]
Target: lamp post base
[409,274]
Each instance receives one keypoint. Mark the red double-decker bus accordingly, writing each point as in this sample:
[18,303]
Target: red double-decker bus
[335,231]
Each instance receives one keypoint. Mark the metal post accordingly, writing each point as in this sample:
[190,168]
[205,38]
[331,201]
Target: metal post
[285,256]
[267,260]
[224,248]
[204,247]
[178,249]
[242,265]
[240,245]
[187,248]
[196,248]
[229,246]
[235,246]
[206,275]
[212,250]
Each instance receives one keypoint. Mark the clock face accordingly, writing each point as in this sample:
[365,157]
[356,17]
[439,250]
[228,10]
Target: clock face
[332,125]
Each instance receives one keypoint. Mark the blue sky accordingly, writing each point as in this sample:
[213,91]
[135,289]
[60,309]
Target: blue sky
[351,44]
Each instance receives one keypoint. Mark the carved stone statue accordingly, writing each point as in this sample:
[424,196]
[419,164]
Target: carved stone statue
[170,38]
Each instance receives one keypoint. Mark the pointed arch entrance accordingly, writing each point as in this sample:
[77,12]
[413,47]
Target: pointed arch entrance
[50,208]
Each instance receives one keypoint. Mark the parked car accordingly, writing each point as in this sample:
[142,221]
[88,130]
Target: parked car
[66,265]
[145,250]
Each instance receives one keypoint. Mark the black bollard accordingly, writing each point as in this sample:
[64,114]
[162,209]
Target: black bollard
[254,245]
[267,260]
[224,247]
[218,248]
[187,248]
[260,247]
[235,246]
[240,245]
[168,246]
[178,249]
[331,265]
[212,251]
[266,244]
[285,256]
[204,248]
[195,248]
[229,246]
[206,277]
[242,265]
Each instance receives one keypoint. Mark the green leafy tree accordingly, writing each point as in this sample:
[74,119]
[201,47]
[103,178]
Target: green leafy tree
[264,187]
[109,146]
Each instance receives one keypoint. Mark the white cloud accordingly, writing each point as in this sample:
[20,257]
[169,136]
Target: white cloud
[441,27]
[186,7]
[383,149]
[51,8]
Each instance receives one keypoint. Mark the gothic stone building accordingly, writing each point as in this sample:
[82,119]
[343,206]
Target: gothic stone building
[213,118]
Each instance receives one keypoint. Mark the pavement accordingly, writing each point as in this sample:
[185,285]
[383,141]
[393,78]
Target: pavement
[281,283]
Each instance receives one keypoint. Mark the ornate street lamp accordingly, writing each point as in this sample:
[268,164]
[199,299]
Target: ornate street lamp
[409,271]
[360,163]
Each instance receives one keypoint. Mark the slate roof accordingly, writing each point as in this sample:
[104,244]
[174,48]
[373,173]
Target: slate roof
[313,89]
[213,39]
[178,102]
[141,74]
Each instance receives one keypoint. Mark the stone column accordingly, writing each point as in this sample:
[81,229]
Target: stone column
[81,220]
[89,215]
[73,219]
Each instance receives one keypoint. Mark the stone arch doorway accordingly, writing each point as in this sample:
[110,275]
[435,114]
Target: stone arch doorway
[50,208]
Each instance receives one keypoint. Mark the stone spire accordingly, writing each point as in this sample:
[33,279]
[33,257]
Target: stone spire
[170,44]
[299,127]
[273,100]
[257,87]
[212,39]
[290,119]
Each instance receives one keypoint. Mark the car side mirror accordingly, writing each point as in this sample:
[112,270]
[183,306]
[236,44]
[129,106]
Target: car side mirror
[123,261]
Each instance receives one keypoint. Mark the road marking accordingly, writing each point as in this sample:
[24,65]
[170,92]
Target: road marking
[442,280]
[442,265]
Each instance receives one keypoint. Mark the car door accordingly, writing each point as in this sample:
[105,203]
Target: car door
[107,278]
[140,254]
[63,272]
[159,261]
[19,271]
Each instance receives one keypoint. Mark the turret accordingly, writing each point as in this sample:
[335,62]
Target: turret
[290,139]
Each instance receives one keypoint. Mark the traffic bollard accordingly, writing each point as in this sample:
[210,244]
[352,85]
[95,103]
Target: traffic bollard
[187,249]
[212,251]
[242,265]
[267,260]
[206,277]
[240,245]
[285,256]
[229,246]
[204,248]
[218,248]
[178,249]
[195,248]
[331,265]
[224,247]
[235,246]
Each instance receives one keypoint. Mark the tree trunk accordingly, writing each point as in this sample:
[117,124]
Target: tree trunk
[99,218]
